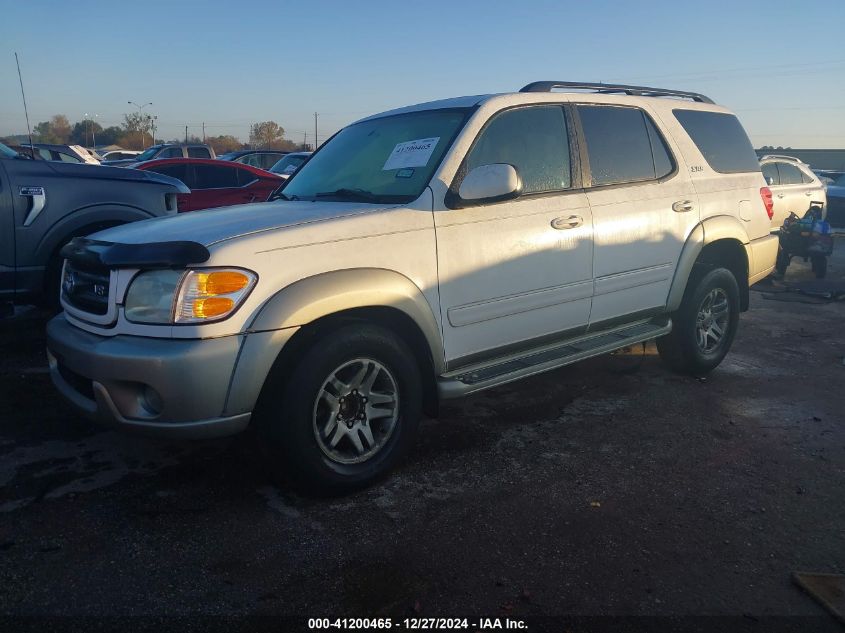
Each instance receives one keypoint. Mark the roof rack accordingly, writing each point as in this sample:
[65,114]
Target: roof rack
[639,91]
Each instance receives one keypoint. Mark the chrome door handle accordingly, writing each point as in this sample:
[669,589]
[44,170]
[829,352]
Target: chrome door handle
[570,222]
[808,193]
[39,199]
[682,206]
[780,195]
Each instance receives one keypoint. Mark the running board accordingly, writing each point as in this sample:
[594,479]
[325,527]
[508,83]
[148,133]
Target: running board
[504,370]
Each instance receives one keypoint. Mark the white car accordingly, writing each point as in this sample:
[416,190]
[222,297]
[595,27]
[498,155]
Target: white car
[795,187]
[421,254]
[289,163]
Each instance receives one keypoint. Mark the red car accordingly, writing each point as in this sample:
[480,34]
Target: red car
[215,183]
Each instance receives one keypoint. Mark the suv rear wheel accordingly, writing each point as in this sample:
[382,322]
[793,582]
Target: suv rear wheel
[347,412]
[705,325]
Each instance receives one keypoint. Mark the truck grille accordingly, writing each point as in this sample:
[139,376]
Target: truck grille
[86,287]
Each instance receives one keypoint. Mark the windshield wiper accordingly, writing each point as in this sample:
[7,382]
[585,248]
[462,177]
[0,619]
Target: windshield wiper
[354,194]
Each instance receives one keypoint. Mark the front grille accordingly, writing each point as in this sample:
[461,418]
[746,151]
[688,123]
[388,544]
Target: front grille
[85,286]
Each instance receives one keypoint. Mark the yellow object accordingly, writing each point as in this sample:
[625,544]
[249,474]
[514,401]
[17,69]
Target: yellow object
[221,283]
[212,307]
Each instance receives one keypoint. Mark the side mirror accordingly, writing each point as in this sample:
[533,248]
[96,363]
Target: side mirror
[490,183]
[770,181]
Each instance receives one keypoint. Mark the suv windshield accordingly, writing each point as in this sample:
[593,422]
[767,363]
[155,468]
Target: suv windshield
[6,152]
[386,160]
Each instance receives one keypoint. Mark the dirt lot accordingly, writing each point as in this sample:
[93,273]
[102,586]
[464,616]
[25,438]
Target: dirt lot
[612,487]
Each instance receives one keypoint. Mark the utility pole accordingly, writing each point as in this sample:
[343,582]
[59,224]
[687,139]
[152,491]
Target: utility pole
[304,140]
[315,131]
[140,129]
[93,122]
[186,134]
[203,131]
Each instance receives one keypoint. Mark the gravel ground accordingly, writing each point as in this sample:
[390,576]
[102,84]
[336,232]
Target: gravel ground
[612,487]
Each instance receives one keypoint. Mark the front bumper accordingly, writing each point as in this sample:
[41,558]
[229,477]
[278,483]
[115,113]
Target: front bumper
[176,388]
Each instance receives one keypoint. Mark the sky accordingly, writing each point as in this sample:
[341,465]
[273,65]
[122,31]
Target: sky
[780,65]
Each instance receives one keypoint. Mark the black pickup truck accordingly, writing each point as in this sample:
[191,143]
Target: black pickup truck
[44,204]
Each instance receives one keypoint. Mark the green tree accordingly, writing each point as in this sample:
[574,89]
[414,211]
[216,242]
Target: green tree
[82,131]
[266,135]
[56,130]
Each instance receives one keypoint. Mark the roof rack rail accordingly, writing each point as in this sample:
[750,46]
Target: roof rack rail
[781,157]
[639,91]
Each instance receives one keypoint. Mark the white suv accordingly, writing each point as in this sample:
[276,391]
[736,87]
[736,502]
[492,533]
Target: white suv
[794,187]
[424,253]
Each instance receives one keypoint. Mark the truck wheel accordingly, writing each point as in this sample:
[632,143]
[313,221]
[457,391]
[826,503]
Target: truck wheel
[348,410]
[704,326]
[782,262]
[819,264]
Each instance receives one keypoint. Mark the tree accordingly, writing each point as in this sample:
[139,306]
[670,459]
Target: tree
[266,135]
[224,143]
[109,136]
[83,130]
[56,130]
[137,124]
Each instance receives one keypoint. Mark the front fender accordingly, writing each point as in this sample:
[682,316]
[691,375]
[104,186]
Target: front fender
[72,223]
[309,299]
[312,298]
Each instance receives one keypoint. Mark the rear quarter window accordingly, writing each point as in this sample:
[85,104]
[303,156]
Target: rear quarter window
[720,139]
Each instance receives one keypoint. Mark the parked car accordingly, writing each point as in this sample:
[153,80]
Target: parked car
[261,158]
[47,203]
[166,150]
[214,183]
[290,163]
[794,187]
[422,254]
[120,154]
[26,151]
[65,153]
[836,202]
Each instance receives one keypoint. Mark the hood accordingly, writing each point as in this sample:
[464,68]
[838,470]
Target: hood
[103,172]
[225,223]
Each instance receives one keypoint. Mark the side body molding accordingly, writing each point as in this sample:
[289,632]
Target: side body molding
[708,231]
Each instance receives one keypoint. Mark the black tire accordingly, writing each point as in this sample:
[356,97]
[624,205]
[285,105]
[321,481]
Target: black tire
[819,264]
[288,415]
[681,349]
[782,262]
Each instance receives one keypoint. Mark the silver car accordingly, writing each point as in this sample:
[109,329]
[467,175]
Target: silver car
[794,187]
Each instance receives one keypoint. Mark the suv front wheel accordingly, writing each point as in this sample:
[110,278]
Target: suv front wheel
[348,410]
[704,327]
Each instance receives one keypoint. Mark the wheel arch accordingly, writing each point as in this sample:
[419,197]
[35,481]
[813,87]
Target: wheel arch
[323,302]
[719,240]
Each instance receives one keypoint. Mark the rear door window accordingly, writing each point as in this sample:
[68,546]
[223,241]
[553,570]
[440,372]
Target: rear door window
[534,141]
[245,177]
[720,139]
[789,174]
[214,177]
[623,145]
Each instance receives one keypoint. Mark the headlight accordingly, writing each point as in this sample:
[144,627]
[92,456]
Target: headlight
[151,296]
[193,296]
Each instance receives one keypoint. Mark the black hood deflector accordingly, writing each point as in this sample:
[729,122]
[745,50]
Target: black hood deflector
[152,255]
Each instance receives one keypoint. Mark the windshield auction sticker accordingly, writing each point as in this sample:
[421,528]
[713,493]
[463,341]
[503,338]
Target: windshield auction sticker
[411,154]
